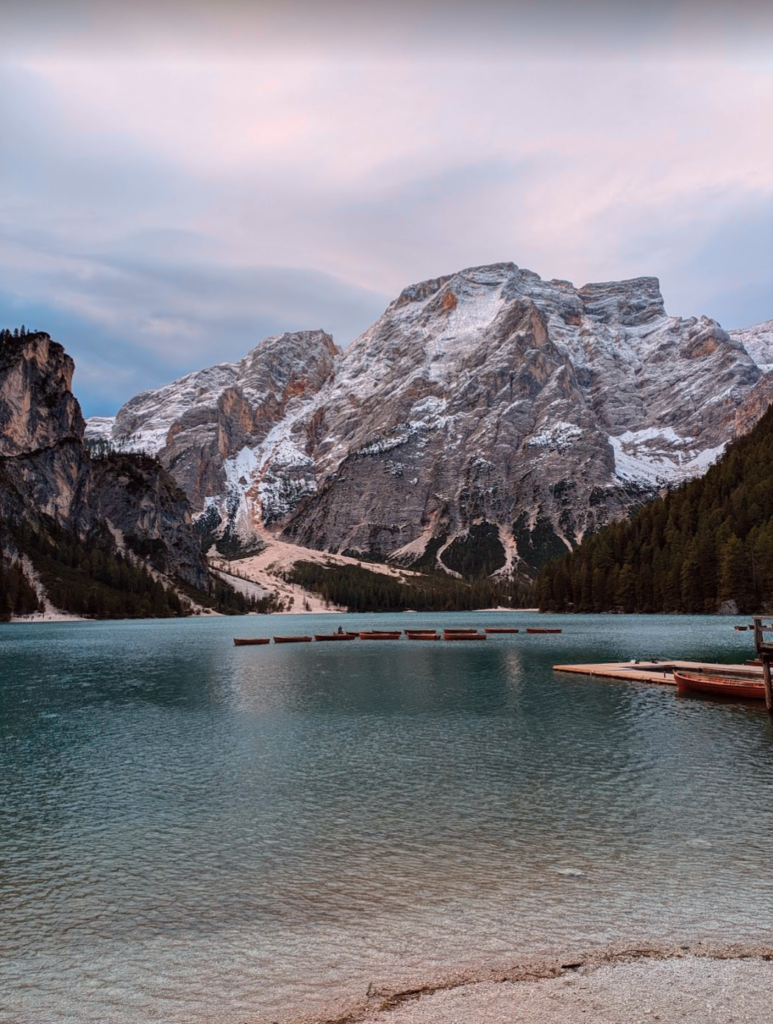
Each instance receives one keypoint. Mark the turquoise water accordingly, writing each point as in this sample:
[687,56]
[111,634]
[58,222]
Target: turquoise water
[193,832]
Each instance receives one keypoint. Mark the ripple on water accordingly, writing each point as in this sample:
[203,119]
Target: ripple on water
[194,832]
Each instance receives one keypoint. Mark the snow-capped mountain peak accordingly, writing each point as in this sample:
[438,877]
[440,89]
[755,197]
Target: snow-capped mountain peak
[488,396]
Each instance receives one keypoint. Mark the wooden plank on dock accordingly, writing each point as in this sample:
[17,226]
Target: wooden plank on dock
[623,670]
[658,672]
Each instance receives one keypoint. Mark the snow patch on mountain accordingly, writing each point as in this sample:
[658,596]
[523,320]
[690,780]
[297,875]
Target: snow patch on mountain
[557,436]
[99,428]
[659,456]
[758,342]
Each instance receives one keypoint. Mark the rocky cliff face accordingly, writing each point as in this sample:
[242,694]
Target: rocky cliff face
[46,473]
[42,469]
[486,415]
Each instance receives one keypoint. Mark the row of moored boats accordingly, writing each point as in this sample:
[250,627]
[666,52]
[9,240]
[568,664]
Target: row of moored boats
[394,634]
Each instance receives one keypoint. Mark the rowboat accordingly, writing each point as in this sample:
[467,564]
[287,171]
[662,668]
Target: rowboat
[416,632]
[252,641]
[292,639]
[740,629]
[534,629]
[465,636]
[722,686]
[380,636]
[423,636]
[466,630]
[499,629]
[335,636]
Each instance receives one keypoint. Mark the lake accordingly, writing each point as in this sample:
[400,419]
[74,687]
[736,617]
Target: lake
[193,832]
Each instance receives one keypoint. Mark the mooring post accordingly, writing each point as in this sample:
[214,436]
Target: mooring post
[766,681]
[764,656]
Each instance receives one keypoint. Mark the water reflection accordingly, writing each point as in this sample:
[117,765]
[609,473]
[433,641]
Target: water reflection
[188,825]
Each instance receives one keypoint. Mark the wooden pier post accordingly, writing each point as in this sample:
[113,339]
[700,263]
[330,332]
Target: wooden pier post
[765,653]
[766,681]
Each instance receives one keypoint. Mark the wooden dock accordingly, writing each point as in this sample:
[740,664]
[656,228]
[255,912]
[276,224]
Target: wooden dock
[660,672]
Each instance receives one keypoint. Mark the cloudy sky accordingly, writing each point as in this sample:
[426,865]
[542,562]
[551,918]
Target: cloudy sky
[178,180]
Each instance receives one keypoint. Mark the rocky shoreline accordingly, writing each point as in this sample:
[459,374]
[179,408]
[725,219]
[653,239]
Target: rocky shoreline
[689,984]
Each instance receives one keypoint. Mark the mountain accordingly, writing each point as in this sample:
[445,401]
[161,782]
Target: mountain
[487,421]
[707,546]
[102,535]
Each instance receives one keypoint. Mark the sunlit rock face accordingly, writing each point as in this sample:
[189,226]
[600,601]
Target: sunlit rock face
[41,428]
[47,476]
[488,408]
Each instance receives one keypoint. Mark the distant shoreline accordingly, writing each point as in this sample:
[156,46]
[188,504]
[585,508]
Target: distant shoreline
[31,620]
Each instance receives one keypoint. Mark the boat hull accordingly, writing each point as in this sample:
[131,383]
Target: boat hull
[719,686]
[335,636]
[465,636]
[292,639]
[252,641]
[535,630]
[380,636]
[499,629]
[423,636]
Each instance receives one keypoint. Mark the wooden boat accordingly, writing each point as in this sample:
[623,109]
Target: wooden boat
[740,629]
[465,636]
[535,629]
[416,632]
[292,639]
[719,686]
[380,636]
[423,636]
[500,629]
[465,630]
[252,641]
[335,636]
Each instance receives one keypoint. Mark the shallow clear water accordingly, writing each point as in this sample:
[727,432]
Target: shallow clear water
[195,832]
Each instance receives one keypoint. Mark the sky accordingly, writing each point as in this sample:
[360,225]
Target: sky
[179,180]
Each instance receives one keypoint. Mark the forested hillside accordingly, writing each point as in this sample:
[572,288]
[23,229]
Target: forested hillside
[360,590]
[94,579]
[706,543]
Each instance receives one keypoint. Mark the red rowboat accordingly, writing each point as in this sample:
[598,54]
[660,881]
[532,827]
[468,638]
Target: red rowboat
[492,629]
[252,641]
[722,686]
[465,636]
[534,629]
[292,639]
[335,636]
[380,636]
[423,636]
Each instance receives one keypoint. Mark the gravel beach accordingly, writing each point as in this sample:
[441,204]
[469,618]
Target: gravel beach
[624,987]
